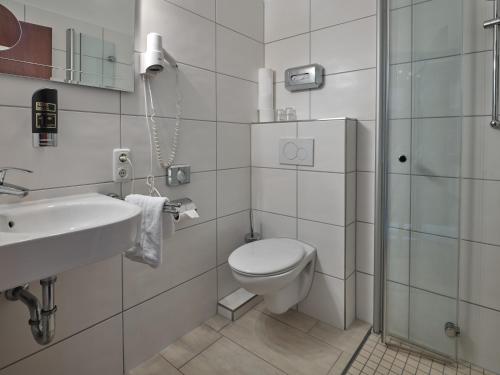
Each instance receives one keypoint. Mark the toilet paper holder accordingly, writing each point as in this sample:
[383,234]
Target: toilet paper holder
[174,207]
[178,206]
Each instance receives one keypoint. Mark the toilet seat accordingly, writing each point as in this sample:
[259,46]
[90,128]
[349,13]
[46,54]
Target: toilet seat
[256,258]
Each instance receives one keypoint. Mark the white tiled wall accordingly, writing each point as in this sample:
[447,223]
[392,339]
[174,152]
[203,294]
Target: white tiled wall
[116,314]
[341,36]
[313,205]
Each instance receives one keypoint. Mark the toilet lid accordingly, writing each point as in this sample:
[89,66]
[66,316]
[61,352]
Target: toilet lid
[267,257]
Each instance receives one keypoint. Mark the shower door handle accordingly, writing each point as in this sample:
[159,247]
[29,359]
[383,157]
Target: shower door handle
[494,24]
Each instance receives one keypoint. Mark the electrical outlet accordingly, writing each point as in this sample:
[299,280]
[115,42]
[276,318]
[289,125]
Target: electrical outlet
[122,170]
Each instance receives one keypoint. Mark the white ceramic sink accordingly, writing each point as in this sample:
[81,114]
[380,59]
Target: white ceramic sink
[42,238]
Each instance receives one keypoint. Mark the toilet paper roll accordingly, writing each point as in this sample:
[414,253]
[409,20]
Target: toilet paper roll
[186,215]
[266,89]
[266,115]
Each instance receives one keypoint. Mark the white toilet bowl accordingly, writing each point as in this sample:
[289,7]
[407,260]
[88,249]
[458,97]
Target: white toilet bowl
[279,269]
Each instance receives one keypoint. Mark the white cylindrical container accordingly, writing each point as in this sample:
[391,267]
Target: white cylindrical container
[266,95]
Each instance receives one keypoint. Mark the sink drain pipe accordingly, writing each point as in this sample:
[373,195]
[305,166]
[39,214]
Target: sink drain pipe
[42,316]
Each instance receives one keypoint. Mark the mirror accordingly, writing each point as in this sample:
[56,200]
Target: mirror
[10,29]
[78,42]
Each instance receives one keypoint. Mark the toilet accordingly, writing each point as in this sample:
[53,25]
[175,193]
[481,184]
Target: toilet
[279,269]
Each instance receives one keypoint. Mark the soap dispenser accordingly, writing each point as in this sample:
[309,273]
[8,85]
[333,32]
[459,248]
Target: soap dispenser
[44,118]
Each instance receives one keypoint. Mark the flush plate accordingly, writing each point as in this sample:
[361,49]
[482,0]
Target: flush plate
[297,151]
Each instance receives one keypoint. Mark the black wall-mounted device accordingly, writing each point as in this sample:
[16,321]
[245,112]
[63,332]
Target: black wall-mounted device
[44,118]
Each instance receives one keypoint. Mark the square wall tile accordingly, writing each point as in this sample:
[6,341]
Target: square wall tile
[400,91]
[330,144]
[79,132]
[287,53]
[364,297]
[85,296]
[346,94]
[226,283]
[187,254]
[266,141]
[233,191]
[356,40]
[325,300]
[436,146]
[400,35]
[429,313]
[475,36]
[322,197]
[350,301]
[271,225]
[197,45]
[433,263]
[279,26]
[274,190]
[17,91]
[298,100]
[330,244]
[236,100]
[102,343]
[332,12]
[365,247]
[436,32]
[435,205]
[244,16]
[479,278]
[233,145]
[238,55]
[205,8]
[365,197]
[437,87]
[476,83]
[231,231]
[197,87]
[146,329]
[398,255]
[397,309]
[480,330]
[365,156]
[399,205]
[135,136]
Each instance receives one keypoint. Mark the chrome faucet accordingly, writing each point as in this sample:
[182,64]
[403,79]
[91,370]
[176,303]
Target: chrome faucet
[10,189]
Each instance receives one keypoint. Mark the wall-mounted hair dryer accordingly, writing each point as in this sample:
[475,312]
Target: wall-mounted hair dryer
[153,60]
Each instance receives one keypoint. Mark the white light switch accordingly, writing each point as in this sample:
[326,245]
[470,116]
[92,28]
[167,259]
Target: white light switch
[297,151]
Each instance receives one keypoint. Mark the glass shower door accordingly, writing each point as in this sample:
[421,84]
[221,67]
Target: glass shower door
[423,172]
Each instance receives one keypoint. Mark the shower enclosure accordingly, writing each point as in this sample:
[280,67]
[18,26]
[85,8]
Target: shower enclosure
[431,53]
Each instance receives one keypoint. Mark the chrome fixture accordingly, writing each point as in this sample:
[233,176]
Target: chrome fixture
[178,175]
[42,316]
[451,329]
[10,189]
[494,24]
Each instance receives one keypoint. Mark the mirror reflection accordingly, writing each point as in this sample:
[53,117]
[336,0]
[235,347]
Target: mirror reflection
[78,42]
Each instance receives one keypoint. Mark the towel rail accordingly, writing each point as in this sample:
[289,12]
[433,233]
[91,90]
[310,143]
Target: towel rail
[172,207]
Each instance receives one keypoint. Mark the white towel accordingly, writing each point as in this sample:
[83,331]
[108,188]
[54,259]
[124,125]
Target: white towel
[148,244]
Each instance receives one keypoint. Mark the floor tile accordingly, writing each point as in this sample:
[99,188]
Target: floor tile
[287,348]
[190,345]
[295,319]
[227,358]
[217,322]
[155,366]
[339,366]
[348,340]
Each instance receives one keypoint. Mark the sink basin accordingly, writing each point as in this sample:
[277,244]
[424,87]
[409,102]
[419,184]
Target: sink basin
[42,238]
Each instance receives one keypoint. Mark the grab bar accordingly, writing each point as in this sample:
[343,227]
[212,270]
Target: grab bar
[494,23]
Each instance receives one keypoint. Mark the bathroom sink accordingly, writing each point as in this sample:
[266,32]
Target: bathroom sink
[42,238]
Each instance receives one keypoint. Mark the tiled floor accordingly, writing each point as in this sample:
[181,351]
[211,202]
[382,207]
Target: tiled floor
[259,343]
[375,358]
